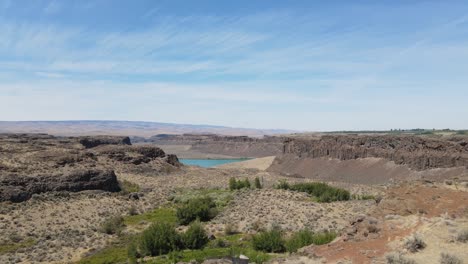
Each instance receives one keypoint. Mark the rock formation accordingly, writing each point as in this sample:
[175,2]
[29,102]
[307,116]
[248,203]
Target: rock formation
[17,188]
[419,153]
[91,142]
[37,163]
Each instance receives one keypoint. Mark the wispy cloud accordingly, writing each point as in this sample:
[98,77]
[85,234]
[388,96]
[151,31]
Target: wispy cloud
[53,7]
[272,63]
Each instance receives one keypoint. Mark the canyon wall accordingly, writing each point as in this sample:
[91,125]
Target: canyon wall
[419,153]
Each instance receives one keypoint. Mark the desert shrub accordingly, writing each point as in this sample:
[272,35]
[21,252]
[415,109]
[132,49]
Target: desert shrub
[322,191]
[230,229]
[283,184]
[203,209]
[132,210]
[258,184]
[414,244]
[159,239]
[449,259]
[396,258]
[257,226]
[269,241]
[232,184]
[323,238]
[238,184]
[195,237]
[127,187]
[220,243]
[299,239]
[462,236]
[113,225]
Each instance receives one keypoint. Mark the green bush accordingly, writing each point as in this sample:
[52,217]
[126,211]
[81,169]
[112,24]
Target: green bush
[322,191]
[195,237]
[238,184]
[306,237]
[269,241]
[283,184]
[203,209]
[232,184]
[113,225]
[258,185]
[299,239]
[323,238]
[159,239]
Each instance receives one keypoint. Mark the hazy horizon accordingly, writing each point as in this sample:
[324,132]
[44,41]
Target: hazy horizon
[300,65]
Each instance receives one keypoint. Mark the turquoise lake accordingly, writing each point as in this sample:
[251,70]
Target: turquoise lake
[208,163]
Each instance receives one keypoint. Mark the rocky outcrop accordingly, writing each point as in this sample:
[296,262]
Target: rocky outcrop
[31,164]
[18,188]
[91,142]
[419,153]
[132,154]
[173,160]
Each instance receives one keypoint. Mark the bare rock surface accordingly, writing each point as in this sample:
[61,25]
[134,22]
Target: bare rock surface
[417,152]
[91,142]
[18,188]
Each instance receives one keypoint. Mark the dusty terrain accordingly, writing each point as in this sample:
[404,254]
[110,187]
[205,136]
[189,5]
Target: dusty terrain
[61,224]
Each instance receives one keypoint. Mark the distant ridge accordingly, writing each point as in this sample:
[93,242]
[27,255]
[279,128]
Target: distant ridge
[128,128]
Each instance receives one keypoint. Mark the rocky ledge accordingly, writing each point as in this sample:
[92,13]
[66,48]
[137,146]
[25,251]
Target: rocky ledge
[19,188]
[419,153]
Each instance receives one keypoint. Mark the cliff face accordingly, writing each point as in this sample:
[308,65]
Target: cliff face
[419,153]
[235,146]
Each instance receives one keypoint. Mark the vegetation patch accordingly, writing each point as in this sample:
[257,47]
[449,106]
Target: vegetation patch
[221,197]
[116,252]
[162,215]
[195,237]
[462,236]
[414,244]
[7,248]
[321,191]
[203,209]
[273,241]
[235,184]
[269,241]
[397,258]
[113,225]
[128,187]
[112,254]
[446,258]
[159,239]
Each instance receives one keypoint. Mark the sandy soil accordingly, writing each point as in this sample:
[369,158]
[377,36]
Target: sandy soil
[259,164]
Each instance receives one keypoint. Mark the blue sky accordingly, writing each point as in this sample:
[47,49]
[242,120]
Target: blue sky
[305,65]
